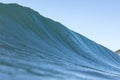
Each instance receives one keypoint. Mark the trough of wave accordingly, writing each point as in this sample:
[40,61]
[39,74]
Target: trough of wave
[33,47]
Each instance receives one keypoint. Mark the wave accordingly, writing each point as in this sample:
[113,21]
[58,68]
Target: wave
[33,47]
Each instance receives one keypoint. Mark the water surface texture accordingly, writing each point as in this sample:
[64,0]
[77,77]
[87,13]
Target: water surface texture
[33,47]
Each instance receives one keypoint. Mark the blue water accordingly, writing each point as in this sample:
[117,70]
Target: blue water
[33,47]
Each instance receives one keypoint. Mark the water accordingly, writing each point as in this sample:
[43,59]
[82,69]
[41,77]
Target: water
[33,47]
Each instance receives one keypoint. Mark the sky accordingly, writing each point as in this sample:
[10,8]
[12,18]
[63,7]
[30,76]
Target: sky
[99,20]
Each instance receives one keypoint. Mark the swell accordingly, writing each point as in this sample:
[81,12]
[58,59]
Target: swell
[34,47]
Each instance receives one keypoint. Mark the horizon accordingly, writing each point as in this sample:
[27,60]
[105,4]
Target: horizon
[97,20]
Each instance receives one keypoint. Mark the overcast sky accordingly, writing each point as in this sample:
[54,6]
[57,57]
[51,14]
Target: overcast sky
[99,20]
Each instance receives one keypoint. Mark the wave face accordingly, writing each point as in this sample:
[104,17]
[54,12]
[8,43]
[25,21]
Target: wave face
[33,47]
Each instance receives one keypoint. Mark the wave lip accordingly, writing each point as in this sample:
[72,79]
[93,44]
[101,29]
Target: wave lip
[33,47]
